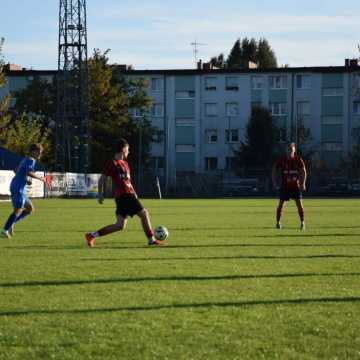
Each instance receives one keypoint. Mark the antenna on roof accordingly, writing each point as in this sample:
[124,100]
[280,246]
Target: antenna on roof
[196,44]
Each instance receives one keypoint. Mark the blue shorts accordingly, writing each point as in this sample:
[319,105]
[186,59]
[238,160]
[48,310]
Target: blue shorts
[19,200]
[286,195]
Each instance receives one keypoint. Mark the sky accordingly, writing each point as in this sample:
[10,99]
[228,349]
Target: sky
[154,34]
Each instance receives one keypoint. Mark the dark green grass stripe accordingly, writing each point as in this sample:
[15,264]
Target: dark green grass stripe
[236,304]
[169,278]
[242,257]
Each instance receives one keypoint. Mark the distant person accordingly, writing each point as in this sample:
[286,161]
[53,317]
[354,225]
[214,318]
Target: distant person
[127,202]
[18,188]
[293,178]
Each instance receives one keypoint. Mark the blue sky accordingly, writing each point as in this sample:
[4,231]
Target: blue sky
[157,34]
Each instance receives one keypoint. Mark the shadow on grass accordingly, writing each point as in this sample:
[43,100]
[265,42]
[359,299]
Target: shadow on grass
[204,305]
[168,278]
[302,235]
[100,247]
[242,257]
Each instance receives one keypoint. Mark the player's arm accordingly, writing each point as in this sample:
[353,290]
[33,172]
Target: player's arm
[34,176]
[101,188]
[302,177]
[45,180]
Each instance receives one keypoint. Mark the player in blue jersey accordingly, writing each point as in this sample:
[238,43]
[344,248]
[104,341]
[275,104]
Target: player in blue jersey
[21,204]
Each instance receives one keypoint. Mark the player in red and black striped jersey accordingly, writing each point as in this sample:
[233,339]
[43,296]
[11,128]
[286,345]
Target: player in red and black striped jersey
[293,178]
[127,202]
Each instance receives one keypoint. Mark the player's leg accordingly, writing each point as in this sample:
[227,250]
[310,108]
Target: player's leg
[301,213]
[119,225]
[18,201]
[28,209]
[279,210]
[146,225]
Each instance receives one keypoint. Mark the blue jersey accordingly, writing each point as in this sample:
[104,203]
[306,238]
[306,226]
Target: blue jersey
[18,183]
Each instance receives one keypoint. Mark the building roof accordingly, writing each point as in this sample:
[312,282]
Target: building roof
[172,72]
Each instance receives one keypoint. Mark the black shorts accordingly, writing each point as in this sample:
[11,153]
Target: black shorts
[286,195]
[128,205]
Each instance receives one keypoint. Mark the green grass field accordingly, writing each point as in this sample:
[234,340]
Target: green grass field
[228,285]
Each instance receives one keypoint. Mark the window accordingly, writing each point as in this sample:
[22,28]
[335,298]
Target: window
[356,107]
[159,136]
[185,94]
[232,109]
[156,84]
[211,109]
[12,102]
[355,132]
[278,82]
[302,110]
[232,136]
[157,110]
[135,112]
[356,81]
[229,163]
[282,134]
[211,136]
[333,91]
[184,122]
[257,82]
[185,148]
[256,104]
[211,163]
[157,162]
[303,81]
[231,83]
[210,83]
[332,146]
[278,108]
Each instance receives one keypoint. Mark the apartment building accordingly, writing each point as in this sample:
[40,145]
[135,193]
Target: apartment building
[201,114]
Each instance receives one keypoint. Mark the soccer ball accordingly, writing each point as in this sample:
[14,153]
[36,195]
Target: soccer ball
[161,233]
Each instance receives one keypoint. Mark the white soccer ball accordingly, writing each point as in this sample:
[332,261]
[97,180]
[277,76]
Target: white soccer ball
[161,233]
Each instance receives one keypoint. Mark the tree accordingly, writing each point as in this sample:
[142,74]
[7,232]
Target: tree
[18,132]
[249,50]
[261,146]
[39,98]
[259,52]
[266,58]
[25,131]
[4,102]
[218,61]
[111,96]
[235,58]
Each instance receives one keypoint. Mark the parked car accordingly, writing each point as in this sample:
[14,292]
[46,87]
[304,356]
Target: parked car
[244,187]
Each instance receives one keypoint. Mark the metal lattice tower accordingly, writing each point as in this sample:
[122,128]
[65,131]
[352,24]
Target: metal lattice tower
[72,132]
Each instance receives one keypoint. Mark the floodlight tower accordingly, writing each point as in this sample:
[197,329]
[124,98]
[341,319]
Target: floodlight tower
[72,125]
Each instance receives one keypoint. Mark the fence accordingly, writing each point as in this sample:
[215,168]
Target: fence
[63,185]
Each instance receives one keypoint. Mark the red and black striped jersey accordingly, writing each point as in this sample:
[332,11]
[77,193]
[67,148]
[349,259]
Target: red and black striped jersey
[290,169]
[119,171]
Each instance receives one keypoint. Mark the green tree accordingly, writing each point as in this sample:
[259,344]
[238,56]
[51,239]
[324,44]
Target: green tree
[218,61]
[111,96]
[25,131]
[266,58]
[235,58]
[249,49]
[18,132]
[261,144]
[39,98]
[259,52]
[4,102]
